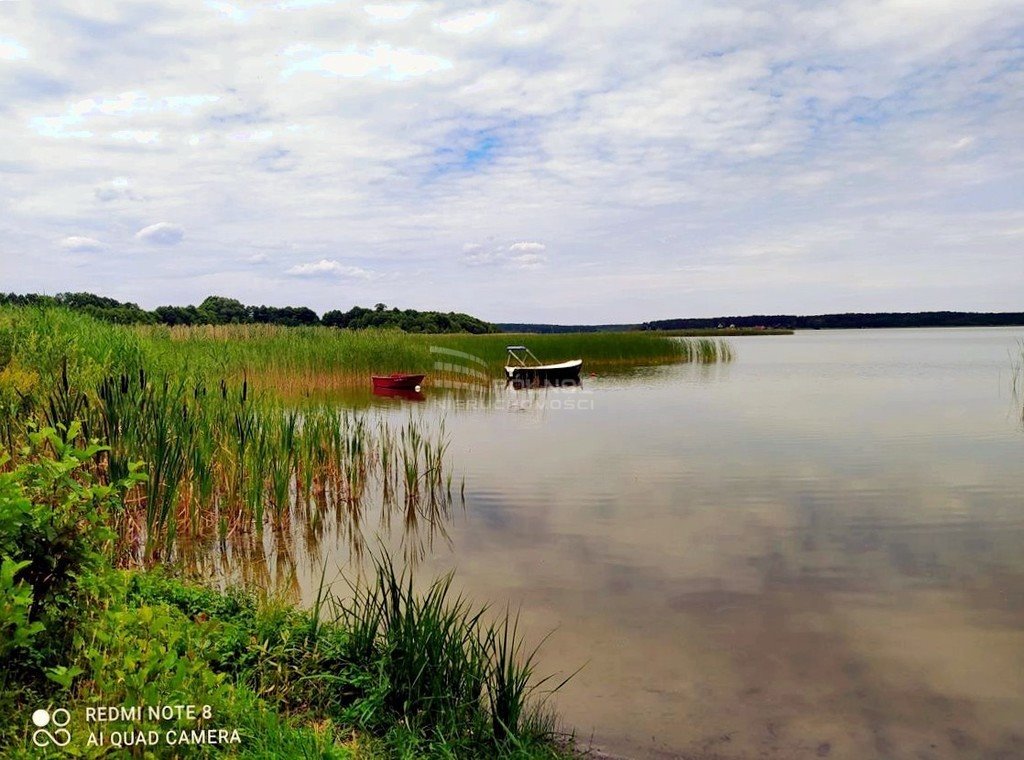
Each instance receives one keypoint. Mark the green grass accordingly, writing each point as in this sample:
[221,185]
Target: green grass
[236,424]
[384,671]
[224,458]
[392,673]
[297,362]
[226,426]
[599,351]
[294,362]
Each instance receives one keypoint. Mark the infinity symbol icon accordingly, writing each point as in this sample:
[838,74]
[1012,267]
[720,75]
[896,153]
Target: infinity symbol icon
[60,736]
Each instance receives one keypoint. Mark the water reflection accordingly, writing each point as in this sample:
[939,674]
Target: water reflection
[814,551]
[397,393]
[394,479]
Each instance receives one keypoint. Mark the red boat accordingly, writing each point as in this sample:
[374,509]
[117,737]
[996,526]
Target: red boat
[398,382]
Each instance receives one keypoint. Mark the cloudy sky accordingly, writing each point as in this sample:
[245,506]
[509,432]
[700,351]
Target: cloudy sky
[592,161]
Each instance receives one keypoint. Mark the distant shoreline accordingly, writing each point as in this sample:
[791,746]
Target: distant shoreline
[774,324]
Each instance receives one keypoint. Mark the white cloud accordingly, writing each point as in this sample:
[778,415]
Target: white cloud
[300,4]
[527,247]
[329,268]
[161,233]
[119,188]
[384,61]
[478,257]
[773,155]
[391,11]
[137,135]
[79,244]
[11,50]
[521,255]
[233,12]
[528,261]
[465,23]
[117,110]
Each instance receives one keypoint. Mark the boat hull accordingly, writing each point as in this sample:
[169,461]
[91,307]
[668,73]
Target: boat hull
[566,373]
[398,382]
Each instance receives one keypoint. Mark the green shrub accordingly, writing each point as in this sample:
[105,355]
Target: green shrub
[16,627]
[54,531]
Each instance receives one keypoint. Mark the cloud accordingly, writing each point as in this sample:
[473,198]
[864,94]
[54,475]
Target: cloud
[465,23]
[383,61]
[476,256]
[756,156]
[78,244]
[11,50]
[329,268]
[119,188]
[521,255]
[527,247]
[528,261]
[391,11]
[161,233]
[84,118]
[137,135]
[233,12]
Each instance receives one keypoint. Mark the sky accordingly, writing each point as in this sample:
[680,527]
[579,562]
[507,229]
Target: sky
[569,162]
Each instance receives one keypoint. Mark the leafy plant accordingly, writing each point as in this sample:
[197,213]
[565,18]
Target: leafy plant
[54,517]
[17,630]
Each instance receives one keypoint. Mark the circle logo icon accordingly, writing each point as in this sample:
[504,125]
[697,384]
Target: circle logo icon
[60,736]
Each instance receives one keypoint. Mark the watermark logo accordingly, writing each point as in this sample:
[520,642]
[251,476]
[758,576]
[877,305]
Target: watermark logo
[470,376]
[44,721]
[458,366]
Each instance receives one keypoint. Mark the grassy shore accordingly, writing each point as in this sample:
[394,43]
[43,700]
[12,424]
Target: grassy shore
[232,423]
[292,361]
[297,360]
[386,671]
[212,436]
[92,616]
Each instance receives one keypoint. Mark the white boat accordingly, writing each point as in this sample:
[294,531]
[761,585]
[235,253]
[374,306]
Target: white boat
[523,367]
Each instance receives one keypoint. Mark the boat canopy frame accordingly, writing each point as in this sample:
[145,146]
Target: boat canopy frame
[514,355]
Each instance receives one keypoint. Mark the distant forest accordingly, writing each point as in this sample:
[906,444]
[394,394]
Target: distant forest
[848,321]
[526,327]
[794,322]
[217,310]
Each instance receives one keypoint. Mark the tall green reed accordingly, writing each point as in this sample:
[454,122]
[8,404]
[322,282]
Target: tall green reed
[441,661]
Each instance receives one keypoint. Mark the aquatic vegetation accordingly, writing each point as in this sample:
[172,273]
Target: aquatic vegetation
[234,422]
[294,363]
[441,663]
[223,459]
[314,363]
[389,672]
[1017,375]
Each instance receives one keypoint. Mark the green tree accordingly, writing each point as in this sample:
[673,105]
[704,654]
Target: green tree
[218,310]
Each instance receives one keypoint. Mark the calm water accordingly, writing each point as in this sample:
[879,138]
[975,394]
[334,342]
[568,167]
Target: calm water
[816,551]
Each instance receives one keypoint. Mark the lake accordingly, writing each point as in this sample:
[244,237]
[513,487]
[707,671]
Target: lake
[816,550]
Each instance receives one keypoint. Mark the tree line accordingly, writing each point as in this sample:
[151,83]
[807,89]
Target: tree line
[847,321]
[218,310]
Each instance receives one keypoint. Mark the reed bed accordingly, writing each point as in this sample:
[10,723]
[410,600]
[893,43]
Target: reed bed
[1017,375]
[442,663]
[294,363]
[229,462]
[316,361]
[235,424]
[222,458]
